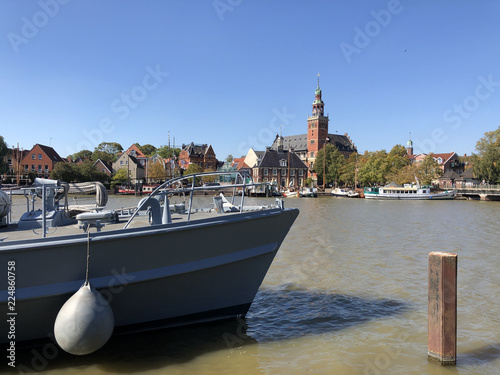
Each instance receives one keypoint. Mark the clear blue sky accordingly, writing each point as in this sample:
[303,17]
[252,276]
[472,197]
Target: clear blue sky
[229,72]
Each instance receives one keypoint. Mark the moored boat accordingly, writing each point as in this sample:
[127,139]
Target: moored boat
[159,269]
[347,193]
[408,192]
[308,192]
[290,194]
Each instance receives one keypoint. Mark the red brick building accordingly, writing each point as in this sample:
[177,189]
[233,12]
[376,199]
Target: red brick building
[41,160]
[202,155]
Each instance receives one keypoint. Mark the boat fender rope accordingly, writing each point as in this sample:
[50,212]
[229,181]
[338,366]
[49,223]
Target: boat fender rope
[88,256]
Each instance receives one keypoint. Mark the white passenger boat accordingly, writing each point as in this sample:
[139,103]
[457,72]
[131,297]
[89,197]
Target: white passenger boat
[159,269]
[411,192]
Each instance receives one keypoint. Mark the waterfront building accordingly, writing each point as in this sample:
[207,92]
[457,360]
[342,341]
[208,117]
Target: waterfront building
[137,154]
[15,171]
[202,155]
[135,169]
[306,146]
[41,160]
[104,167]
[448,161]
[281,167]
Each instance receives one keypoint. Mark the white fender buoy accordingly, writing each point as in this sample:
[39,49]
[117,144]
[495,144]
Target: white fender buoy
[85,322]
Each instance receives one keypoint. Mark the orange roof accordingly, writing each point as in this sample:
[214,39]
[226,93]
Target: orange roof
[445,157]
[138,153]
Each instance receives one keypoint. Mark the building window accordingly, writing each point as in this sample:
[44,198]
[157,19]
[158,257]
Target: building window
[46,169]
[301,172]
[39,168]
[33,157]
[312,141]
[292,172]
[312,154]
[32,167]
[282,163]
[283,172]
[39,156]
[275,172]
[265,171]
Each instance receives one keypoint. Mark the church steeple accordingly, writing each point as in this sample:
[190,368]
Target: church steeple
[317,126]
[318,105]
[409,147]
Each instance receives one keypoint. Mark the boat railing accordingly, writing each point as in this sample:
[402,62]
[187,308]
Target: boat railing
[188,185]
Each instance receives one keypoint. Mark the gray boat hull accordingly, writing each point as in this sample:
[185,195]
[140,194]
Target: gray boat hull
[164,275]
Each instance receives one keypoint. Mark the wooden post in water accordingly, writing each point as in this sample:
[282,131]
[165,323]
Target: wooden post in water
[442,313]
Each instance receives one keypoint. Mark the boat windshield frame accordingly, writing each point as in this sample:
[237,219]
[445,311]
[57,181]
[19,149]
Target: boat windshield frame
[168,188]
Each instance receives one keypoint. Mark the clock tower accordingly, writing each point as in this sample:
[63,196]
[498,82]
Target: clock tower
[317,127]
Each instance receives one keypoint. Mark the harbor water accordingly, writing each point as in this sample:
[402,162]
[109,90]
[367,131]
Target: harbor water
[346,294]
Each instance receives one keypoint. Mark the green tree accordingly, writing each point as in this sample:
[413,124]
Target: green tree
[334,161]
[120,177]
[374,169]
[405,175]
[147,149]
[429,170]
[167,152]
[107,151]
[229,159]
[157,171]
[486,162]
[397,159]
[194,168]
[86,171]
[4,151]
[66,172]
[348,171]
[84,154]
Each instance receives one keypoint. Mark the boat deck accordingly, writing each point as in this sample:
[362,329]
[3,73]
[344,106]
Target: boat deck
[12,233]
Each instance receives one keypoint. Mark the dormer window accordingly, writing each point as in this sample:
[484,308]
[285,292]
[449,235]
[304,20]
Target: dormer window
[282,163]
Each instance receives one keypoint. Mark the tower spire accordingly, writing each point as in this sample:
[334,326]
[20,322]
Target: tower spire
[409,146]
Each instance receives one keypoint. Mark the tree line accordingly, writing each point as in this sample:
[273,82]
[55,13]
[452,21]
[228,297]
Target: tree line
[381,167]
[370,168]
[109,152]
